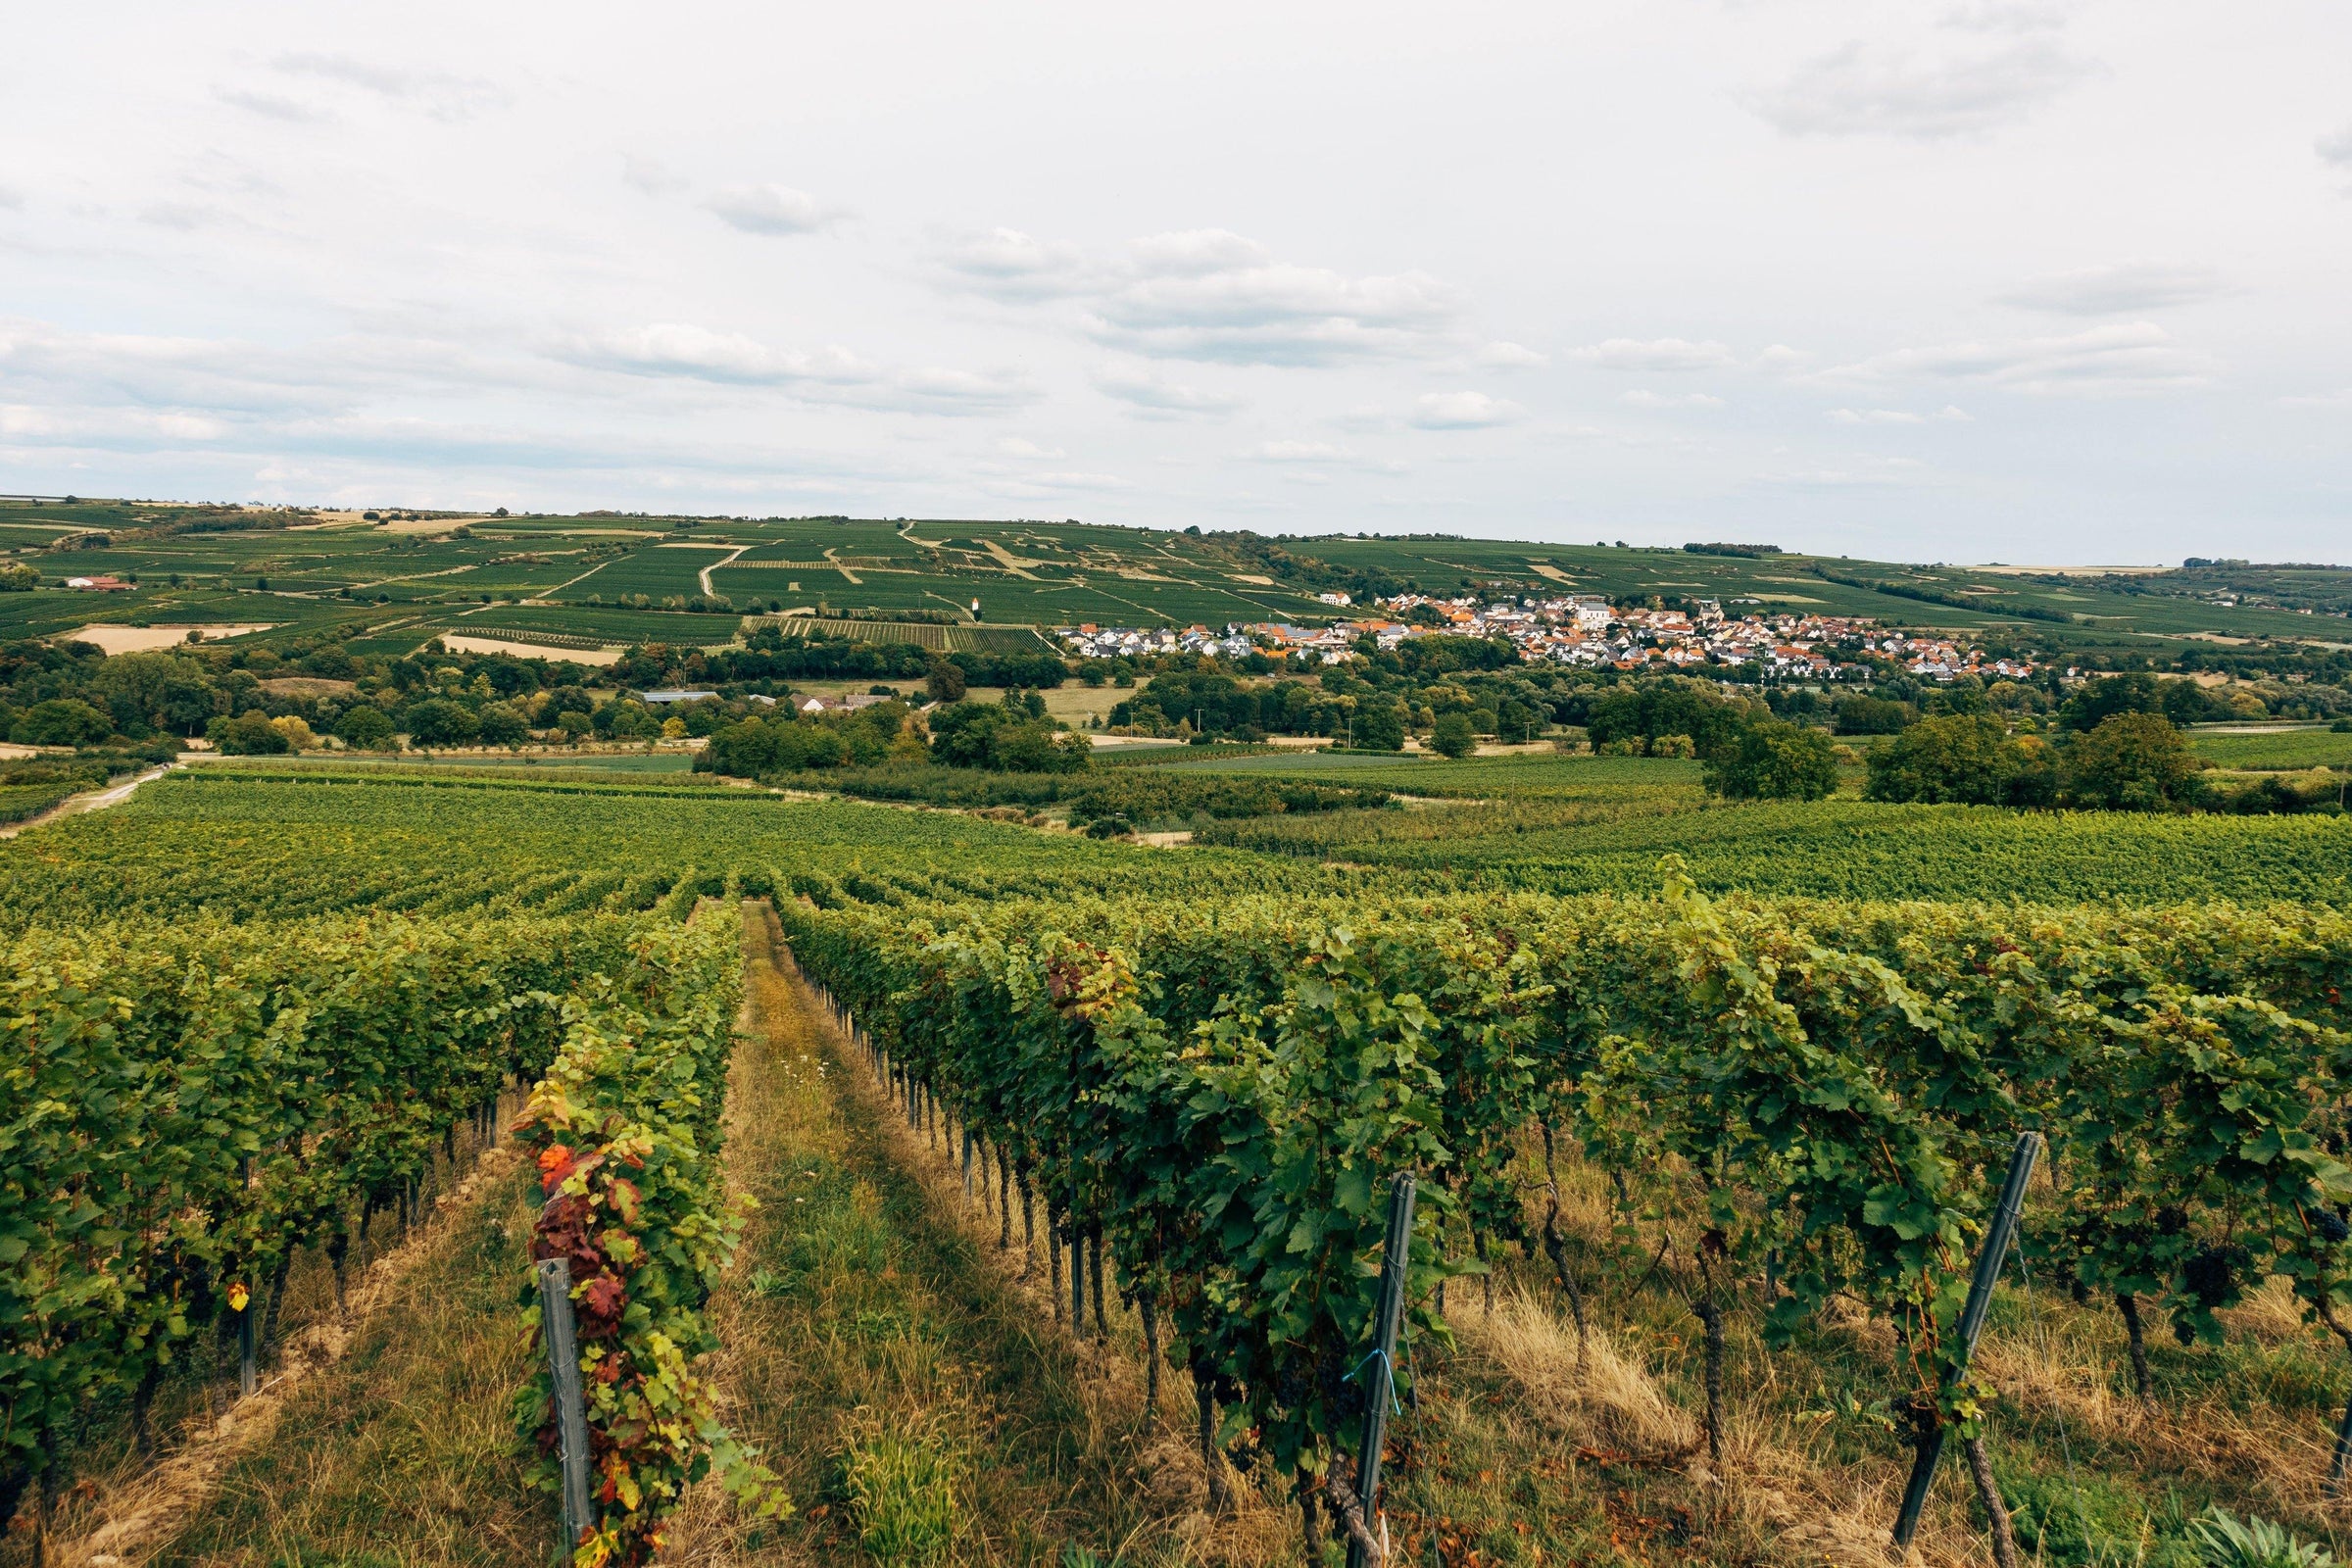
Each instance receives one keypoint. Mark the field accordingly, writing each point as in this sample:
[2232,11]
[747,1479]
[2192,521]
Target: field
[1071,1159]
[2280,750]
[580,575]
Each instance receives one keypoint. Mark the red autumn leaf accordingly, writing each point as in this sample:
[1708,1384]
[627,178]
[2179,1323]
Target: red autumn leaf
[604,1297]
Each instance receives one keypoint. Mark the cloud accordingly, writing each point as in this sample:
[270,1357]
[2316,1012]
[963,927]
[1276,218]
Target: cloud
[831,374]
[2122,287]
[1164,400]
[1015,447]
[11,198]
[2004,15]
[1881,473]
[2123,358]
[1299,452]
[1196,253]
[274,106]
[1894,415]
[1509,356]
[1464,410]
[1657,354]
[1211,295]
[1037,486]
[2335,149]
[436,93]
[1008,265]
[650,175]
[1861,89]
[1274,314]
[2319,400]
[1644,398]
[769,210]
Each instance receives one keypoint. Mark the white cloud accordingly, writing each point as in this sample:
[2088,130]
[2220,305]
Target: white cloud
[2319,400]
[1464,410]
[1016,447]
[1644,398]
[769,210]
[1008,265]
[273,106]
[1862,89]
[1155,399]
[650,175]
[1509,356]
[1299,452]
[831,374]
[1657,353]
[1274,314]
[1212,295]
[11,198]
[436,93]
[2118,360]
[2335,149]
[2120,288]
[1875,417]
[2004,15]
[1195,253]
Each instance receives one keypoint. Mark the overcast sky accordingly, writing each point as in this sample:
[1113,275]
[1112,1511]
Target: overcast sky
[1967,282]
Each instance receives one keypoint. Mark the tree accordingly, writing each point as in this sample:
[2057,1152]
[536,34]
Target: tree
[943,682]
[502,726]
[365,727]
[248,734]
[62,722]
[1379,726]
[1872,716]
[2132,762]
[18,578]
[2102,699]
[1453,736]
[438,721]
[1775,761]
[1953,758]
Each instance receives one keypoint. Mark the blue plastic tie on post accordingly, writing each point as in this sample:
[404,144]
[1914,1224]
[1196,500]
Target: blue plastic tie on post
[1388,1376]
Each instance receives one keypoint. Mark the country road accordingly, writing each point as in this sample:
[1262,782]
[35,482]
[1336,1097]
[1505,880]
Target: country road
[92,800]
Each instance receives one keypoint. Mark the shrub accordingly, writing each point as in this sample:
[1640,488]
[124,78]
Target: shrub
[248,735]
[438,721]
[62,722]
[1775,761]
[364,726]
[2133,762]
[1453,736]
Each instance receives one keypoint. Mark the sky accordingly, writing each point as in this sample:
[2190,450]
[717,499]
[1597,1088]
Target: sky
[1963,280]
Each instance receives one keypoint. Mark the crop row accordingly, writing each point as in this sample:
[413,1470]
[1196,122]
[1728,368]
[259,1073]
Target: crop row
[186,1106]
[1825,1091]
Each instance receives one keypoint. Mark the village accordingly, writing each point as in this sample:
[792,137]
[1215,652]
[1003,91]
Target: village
[1583,630]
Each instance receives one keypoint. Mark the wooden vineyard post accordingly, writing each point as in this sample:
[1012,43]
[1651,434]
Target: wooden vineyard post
[1990,1261]
[571,1416]
[1395,1265]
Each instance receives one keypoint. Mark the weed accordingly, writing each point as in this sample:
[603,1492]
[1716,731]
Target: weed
[2224,1541]
[903,1488]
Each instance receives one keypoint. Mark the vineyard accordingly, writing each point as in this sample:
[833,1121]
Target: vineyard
[1709,1110]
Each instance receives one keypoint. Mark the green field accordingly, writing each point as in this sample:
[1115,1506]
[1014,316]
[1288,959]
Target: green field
[1063,574]
[2277,751]
[1219,1056]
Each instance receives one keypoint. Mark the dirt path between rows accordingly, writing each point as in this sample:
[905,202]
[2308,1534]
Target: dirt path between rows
[131,1520]
[88,800]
